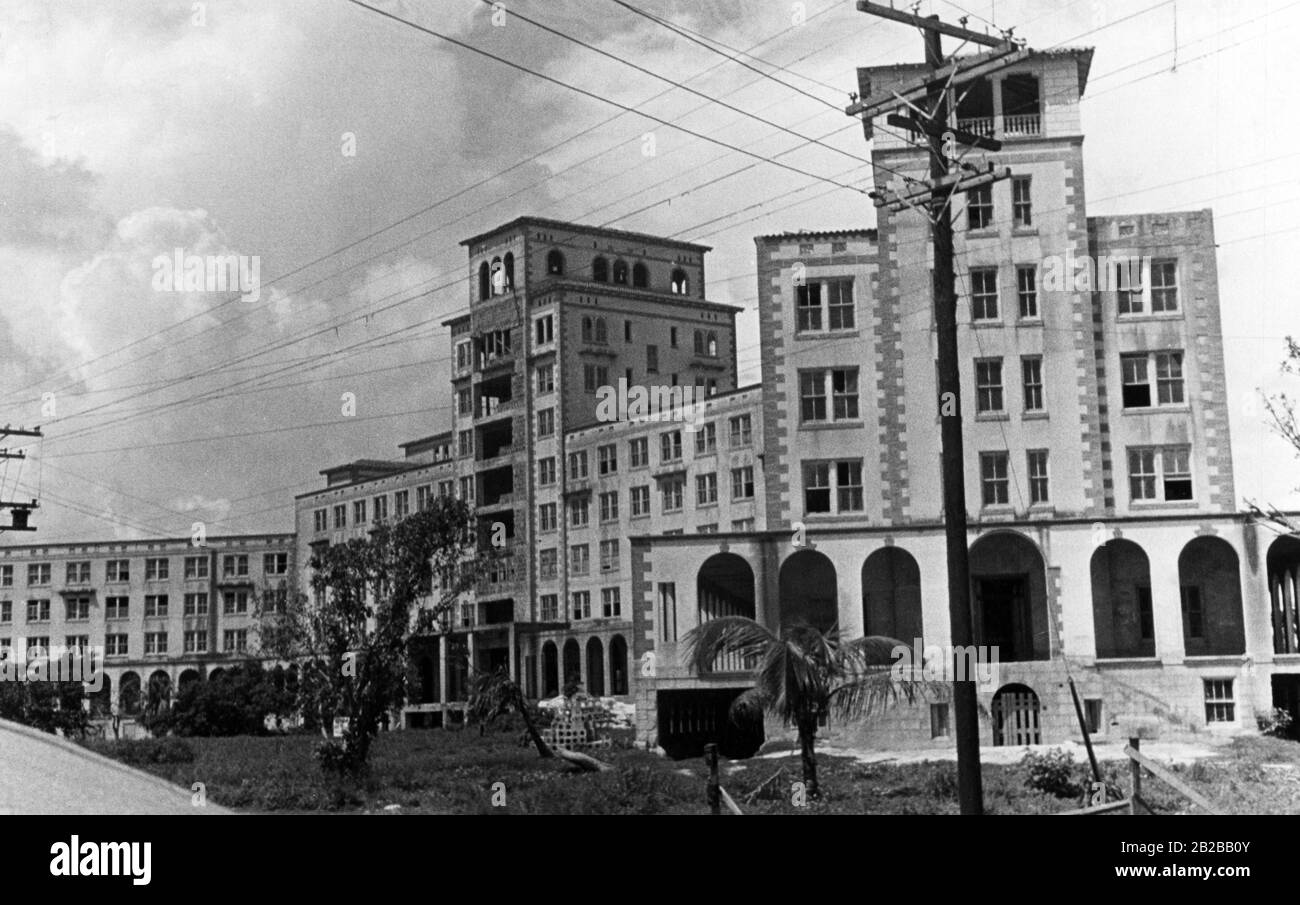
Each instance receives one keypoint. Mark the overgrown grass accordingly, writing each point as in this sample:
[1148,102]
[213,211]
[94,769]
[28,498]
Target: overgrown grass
[456,772]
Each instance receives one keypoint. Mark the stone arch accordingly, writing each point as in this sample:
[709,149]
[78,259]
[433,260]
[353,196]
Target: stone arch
[1122,617]
[1009,596]
[809,592]
[572,662]
[128,693]
[101,702]
[1209,580]
[680,282]
[189,677]
[618,682]
[1283,563]
[595,667]
[891,595]
[484,282]
[158,695]
[509,267]
[640,276]
[620,272]
[724,586]
[1017,716]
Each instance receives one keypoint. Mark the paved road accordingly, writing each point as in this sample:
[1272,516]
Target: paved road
[44,774]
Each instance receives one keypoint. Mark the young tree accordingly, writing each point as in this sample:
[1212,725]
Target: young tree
[1282,418]
[369,597]
[804,675]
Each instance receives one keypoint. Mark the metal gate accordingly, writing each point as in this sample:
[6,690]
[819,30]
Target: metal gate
[1016,717]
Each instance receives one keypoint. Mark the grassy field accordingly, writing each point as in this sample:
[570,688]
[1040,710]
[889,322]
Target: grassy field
[454,772]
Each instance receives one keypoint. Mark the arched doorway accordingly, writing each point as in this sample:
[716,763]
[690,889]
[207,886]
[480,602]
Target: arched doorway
[216,674]
[128,694]
[724,586]
[808,589]
[188,677]
[891,595]
[1209,578]
[1016,716]
[1284,593]
[101,702]
[617,665]
[572,663]
[595,668]
[1122,618]
[550,670]
[1009,593]
[159,691]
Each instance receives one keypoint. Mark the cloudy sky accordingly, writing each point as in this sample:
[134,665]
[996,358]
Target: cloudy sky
[351,153]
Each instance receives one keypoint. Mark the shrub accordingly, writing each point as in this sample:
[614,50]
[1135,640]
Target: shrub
[1276,723]
[1053,772]
[144,751]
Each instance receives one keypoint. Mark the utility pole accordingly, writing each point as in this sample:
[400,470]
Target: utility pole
[948,177]
[21,509]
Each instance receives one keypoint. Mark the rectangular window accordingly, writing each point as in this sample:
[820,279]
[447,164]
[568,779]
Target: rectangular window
[667,611]
[546,423]
[320,520]
[196,604]
[545,379]
[446,490]
[76,644]
[115,646]
[994,479]
[6,576]
[235,566]
[155,605]
[671,492]
[467,490]
[1027,291]
[1022,209]
[38,611]
[581,604]
[1031,370]
[816,487]
[155,643]
[578,465]
[742,524]
[839,304]
[78,572]
[234,603]
[550,607]
[742,431]
[640,497]
[380,508]
[196,642]
[984,294]
[711,528]
[1177,465]
[848,486]
[1036,460]
[465,443]
[465,402]
[423,497]
[77,609]
[117,607]
[639,452]
[1128,287]
[672,337]
[547,563]
[706,439]
[706,489]
[609,556]
[670,446]
[808,307]
[1136,391]
[38,574]
[1160,474]
[235,641]
[607,459]
[812,396]
[988,385]
[979,207]
[844,389]
[1169,378]
[652,359]
[627,331]
[580,559]
[358,512]
[546,471]
[196,567]
[938,721]
[1164,286]
[278,563]
[579,513]
[609,506]
[401,504]
[1142,474]
[742,483]
[610,606]
[6,611]
[546,520]
[1220,707]
[118,570]
[545,329]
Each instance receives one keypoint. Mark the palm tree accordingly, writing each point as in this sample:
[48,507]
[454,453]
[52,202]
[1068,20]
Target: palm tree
[494,694]
[805,675]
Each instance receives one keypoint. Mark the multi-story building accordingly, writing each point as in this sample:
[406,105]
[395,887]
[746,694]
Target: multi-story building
[161,613]
[1104,539]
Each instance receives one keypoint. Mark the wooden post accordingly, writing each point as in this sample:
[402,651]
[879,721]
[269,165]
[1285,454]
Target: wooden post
[1083,727]
[713,791]
[1135,773]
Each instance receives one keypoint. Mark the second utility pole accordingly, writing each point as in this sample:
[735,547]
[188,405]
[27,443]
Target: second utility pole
[970,788]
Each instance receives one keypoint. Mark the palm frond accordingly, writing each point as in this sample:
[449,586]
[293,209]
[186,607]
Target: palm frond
[729,634]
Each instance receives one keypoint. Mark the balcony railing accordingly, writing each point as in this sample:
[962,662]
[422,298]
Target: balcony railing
[979,125]
[1022,124]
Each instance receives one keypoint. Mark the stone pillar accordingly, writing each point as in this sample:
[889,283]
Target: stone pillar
[469,644]
[442,677]
[1167,603]
[513,653]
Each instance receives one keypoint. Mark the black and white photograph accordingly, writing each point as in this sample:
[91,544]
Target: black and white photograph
[649,407]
